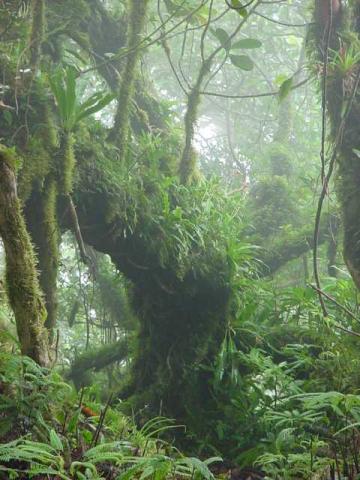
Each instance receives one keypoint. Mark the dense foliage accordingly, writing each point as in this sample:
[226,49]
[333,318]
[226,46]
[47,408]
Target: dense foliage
[171,277]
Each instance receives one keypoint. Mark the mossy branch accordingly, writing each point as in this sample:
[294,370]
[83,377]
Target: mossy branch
[98,359]
[37,34]
[66,163]
[287,248]
[188,157]
[120,131]
[49,253]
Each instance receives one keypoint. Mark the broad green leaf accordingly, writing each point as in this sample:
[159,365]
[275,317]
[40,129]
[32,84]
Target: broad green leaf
[57,87]
[5,426]
[223,38]
[293,40]
[237,5]
[89,102]
[247,43]
[63,86]
[357,152]
[242,61]
[285,88]
[99,105]
[75,54]
[279,79]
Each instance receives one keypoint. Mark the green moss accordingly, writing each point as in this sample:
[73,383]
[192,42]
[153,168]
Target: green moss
[120,131]
[37,33]
[35,168]
[96,360]
[21,273]
[49,253]
[187,168]
[274,205]
[170,242]
[188,158]
[8,155]
[37,150]
[66,163]
[343,65]
[46,129]
[279,152]
[280,159]
[70,11]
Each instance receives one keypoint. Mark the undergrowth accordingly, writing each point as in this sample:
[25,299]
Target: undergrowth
[48,431]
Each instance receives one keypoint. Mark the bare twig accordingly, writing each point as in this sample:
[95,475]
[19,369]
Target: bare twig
[240,7]
[252,95]
[278,22]
[172,66]
[183,47]
[203,35]
[76,230]
[101,422]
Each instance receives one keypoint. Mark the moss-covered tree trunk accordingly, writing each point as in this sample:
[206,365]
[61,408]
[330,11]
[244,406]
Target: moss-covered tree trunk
[21,273]
[336,36]
[37,33]
[120,132]
[41,216]
[188,158]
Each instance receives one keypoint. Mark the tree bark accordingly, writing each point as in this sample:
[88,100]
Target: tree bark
[42,222]
[342,88]
[21,273]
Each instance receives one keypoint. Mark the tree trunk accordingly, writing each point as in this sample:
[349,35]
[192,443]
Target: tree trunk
[21,274]
[334,38]
[41,218]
